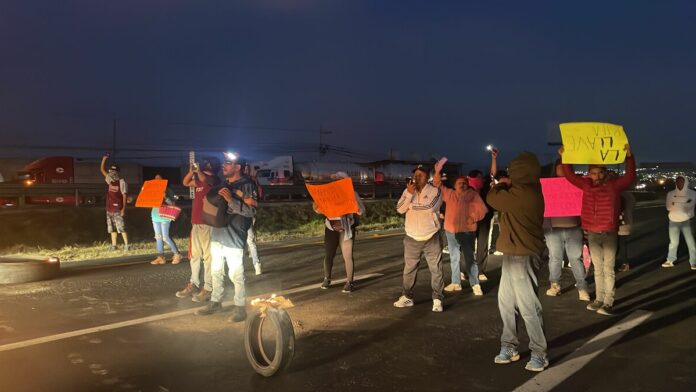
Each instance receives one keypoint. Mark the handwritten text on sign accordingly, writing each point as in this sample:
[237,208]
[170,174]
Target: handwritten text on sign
[334,199]
[593,143]
[152,194]
[561,198]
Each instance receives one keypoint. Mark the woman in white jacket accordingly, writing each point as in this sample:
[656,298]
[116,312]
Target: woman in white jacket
[680,204]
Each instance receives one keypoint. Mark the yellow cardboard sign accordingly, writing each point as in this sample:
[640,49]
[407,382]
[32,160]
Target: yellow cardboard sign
[152,194]
[593,143]
[335,198]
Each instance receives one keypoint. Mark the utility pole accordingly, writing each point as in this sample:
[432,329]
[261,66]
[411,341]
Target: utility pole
[113,141]
[322,148]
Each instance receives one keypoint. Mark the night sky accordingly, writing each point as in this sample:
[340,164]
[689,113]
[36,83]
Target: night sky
[429,77]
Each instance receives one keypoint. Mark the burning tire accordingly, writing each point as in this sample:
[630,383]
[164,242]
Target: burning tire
[269,341]
[19,270]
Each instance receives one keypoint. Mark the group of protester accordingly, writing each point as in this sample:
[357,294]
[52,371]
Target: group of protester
[524,236]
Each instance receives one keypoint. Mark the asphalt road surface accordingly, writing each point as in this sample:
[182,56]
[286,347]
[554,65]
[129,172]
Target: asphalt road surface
[120,328]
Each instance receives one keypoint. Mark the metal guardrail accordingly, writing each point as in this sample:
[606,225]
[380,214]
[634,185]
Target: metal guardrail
[93,194]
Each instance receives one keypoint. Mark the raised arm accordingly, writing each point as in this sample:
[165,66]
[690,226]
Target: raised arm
[102,166]
[494,163]
[627,179]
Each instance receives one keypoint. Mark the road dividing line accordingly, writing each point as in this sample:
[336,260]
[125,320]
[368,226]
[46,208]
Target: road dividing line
[149,319]
[555,375]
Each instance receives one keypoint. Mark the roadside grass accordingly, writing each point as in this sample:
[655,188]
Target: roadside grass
[274,223]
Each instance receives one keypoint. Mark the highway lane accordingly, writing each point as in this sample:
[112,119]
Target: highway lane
[345,342]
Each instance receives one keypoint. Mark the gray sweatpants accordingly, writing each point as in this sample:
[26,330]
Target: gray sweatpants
[432,251]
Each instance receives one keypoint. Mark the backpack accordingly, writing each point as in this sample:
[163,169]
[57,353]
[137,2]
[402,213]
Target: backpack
[214,211]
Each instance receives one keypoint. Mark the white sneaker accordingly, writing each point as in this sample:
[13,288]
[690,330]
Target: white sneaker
[497,253]
[668,264]
[445,250]
[462,276]
[437,305]
[693,267]
[403,302]
[477,289]
[257,269]
[483,277]
[453,287]
[583,295]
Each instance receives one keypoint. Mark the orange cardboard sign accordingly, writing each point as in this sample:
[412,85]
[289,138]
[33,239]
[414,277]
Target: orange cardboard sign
[152,194]
[335,198]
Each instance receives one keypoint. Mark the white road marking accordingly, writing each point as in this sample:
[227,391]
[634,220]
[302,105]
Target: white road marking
[149,319]
[555,375]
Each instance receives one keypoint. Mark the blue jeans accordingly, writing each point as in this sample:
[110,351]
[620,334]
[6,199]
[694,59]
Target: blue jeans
[462,242]
[518,292]
[162,233]
[570,239]
[684,228]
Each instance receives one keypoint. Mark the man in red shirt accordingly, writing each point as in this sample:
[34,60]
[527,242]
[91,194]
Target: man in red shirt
[601,206]
[203,179]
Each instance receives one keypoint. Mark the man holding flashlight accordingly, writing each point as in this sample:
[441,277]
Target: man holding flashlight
[521,206]
[239,197]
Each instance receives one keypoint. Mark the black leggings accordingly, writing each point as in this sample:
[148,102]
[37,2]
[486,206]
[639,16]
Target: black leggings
[332,239]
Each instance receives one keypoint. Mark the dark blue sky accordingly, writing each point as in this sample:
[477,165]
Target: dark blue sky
[435,77]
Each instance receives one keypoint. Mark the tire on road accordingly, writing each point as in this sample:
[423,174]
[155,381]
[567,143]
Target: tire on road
[284,342]
[18,270]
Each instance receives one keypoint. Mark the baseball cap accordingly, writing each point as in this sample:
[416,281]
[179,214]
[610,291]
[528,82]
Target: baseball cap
[114,168]
[421,168]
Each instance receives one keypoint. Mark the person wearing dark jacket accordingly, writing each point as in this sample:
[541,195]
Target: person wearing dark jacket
[520,203]
[601,206]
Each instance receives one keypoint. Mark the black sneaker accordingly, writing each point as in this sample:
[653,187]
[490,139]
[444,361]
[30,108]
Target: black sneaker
[238,314]
[606,310]
[594,306]
[325,285]
[213,307]
[348,287]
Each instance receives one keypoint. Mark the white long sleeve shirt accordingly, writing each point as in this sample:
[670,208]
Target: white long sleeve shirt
[422,210]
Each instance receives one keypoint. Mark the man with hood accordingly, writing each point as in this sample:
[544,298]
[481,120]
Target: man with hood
[680,204]
[421,204]
[601,206]
[116,196]
[520,203]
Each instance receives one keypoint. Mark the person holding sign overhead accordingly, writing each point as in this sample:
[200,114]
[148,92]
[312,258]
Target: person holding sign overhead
[340,231]
[601,206]
[421,204]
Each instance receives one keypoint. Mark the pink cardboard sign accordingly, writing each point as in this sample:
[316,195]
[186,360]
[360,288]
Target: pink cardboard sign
[561,198]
